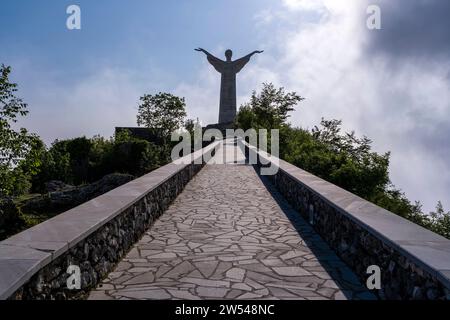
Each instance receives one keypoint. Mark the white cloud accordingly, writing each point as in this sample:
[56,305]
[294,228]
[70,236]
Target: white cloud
[332,6]
[304,4]
[202,96]
[264,17]
[324,61]
[106,98]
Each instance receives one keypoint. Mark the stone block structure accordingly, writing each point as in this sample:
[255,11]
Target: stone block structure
[93,236]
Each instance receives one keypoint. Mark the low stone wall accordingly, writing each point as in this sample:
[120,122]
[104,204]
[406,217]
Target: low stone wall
[93,236]
[414,262]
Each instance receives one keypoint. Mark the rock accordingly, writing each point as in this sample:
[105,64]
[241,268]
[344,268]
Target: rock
[56,185]
[343,246]
[291,271]
[60,296]
[67,196]
[236,274]
[105,184]
[417,293]
[432,294]
[447,294]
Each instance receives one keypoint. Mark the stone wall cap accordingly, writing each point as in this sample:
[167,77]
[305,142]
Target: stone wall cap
[17,265]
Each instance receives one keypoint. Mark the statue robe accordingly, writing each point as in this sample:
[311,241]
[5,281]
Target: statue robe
[228,70]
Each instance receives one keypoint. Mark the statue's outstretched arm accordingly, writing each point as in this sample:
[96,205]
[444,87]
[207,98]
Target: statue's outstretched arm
[254,52]
[240,63]
[204,51]
[216,62]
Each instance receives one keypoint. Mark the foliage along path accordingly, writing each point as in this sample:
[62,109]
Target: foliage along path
[230,235]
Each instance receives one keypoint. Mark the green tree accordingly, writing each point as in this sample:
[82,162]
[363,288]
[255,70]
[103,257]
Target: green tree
[101,158]
[440,221]
[15,145]
[245,118]
[268,109]
[163,111]
[350,163]
[80,151]
[55,166]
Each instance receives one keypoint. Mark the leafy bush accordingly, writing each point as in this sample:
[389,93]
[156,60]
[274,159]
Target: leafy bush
[10,218]
[82,160]
[339,158]
[134,156]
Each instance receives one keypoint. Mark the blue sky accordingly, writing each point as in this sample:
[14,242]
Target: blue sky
[392,85]
[125,34]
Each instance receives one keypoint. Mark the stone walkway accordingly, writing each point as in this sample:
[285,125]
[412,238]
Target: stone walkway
[229,235]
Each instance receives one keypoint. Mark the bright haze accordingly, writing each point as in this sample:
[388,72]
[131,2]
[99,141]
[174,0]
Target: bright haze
[392,85]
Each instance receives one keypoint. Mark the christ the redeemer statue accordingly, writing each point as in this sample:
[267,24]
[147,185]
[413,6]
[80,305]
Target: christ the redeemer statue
[228,70]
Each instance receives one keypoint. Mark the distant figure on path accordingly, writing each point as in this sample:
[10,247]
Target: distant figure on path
[228,69]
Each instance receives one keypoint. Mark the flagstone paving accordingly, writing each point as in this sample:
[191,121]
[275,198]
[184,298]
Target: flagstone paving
[230,235]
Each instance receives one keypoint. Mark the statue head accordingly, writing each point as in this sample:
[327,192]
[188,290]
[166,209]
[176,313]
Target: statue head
[228,54]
